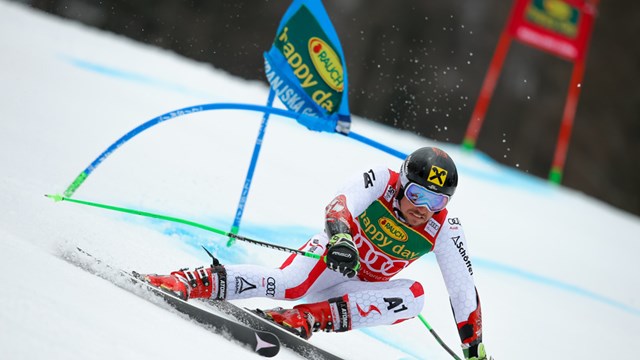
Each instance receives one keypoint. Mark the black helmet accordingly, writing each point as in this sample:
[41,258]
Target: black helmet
[431,168]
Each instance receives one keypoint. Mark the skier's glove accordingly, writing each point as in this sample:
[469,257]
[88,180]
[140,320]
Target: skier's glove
[475,352]
[342,255]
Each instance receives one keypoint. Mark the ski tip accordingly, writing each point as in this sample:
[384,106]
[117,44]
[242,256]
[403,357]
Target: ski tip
[267,344]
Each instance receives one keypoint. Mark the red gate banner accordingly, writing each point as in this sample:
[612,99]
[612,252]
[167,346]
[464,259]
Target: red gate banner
[561,27]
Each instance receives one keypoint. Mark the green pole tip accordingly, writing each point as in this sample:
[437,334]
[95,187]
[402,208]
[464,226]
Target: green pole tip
[56,197]
[468,144]
[555,176]
[232,240]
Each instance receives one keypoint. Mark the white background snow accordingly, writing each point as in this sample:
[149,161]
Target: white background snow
[556,269]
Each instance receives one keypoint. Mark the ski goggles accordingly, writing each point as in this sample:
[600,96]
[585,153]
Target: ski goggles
[420,196]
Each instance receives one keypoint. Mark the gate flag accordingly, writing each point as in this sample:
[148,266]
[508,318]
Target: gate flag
[561,27]
[306,68]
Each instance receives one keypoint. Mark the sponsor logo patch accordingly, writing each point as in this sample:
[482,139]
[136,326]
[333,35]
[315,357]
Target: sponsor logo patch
[243,285]
[388,195]
[271,287]
[554,15]
[392,229]
[327,63]
[463,253]
[432,227]
[437,175]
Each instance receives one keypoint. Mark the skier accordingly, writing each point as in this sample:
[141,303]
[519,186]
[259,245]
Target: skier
[375,227]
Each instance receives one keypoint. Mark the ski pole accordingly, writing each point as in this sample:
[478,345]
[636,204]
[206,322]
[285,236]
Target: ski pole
[433,332]
[58,198]
[252,168]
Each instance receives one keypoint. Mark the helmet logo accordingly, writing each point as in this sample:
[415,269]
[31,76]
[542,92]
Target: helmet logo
[437,175]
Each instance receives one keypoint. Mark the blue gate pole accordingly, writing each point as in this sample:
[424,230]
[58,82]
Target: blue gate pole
[252,166]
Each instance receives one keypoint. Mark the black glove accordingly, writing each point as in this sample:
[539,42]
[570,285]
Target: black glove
[342,255]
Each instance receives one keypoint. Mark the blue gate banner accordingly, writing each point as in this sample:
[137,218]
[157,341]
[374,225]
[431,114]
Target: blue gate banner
[306,68]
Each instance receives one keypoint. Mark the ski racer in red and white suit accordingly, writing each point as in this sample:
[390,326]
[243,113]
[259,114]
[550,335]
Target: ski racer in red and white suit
[384,232]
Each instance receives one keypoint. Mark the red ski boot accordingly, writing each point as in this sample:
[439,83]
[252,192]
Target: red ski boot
[199,283]
[305,319]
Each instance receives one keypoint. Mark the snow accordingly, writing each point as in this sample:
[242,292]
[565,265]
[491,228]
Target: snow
[554,268]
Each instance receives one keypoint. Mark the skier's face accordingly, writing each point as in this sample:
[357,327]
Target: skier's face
[415,215]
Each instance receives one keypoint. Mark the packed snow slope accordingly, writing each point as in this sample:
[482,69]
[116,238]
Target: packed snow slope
[555,269]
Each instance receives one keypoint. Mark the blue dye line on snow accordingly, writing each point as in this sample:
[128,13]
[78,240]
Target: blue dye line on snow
[380,338]
[510,270]
[509,177]
[504,175]
[135,77]
[292,236]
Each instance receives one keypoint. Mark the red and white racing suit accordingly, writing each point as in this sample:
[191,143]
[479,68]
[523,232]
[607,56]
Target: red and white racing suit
[367,207]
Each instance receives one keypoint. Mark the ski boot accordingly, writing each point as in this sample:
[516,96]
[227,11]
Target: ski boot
[186,284]
[305,319]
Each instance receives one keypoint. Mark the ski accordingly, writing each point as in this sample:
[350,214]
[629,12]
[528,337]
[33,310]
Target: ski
[262,342]
[289,340]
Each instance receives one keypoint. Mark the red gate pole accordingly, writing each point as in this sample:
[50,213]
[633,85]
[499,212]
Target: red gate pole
[560,156]
[486,92]
[589,11]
